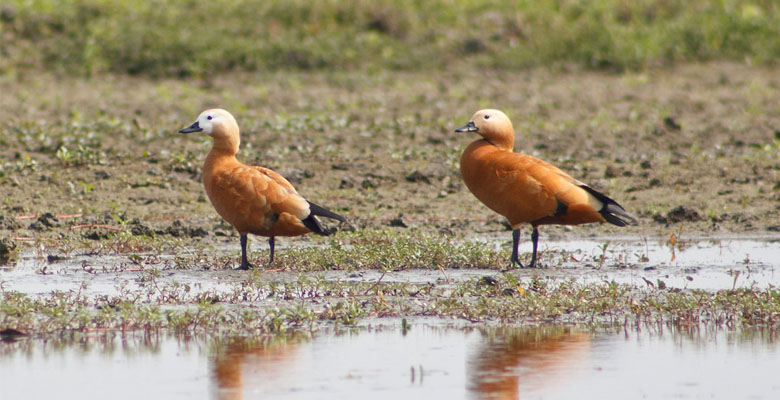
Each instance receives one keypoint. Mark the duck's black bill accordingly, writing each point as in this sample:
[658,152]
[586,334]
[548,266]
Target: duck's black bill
[192,128]
[470,127]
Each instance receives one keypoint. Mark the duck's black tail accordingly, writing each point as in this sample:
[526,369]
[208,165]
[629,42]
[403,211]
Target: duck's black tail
[613,212]
[314,224]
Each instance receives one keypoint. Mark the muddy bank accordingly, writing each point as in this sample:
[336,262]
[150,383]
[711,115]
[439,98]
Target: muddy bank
[104,211]
[691,150]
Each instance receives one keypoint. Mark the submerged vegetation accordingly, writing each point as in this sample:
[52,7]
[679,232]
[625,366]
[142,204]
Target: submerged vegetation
[183,38]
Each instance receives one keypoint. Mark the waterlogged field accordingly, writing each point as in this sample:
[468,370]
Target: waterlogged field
[107,240]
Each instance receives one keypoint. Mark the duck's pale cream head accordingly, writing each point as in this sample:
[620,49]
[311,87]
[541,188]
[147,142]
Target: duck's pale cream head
[494,126]
[220,125]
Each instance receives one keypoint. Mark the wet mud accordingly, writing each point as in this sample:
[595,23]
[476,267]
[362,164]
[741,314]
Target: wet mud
[102,198]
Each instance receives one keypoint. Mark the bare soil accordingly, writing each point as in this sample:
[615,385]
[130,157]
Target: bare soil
[690,150]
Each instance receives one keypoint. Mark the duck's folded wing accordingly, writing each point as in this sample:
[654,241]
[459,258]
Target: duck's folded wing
[538,189]
[578,203]
[556,182]
[257,197]
[280,193]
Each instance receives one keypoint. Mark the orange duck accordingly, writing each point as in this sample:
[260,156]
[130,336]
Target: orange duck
[525,189]
[253,199]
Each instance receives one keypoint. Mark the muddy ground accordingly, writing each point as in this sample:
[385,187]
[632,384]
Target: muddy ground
[691,150]
[104,216]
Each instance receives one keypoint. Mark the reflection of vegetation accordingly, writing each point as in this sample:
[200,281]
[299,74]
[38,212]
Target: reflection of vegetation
[175,38]
[104,343]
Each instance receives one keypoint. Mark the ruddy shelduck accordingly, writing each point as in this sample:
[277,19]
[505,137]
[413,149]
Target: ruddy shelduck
[525,189]
[253,199]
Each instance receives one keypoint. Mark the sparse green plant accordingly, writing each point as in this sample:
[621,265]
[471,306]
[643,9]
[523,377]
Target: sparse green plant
[64,155]
[86,187]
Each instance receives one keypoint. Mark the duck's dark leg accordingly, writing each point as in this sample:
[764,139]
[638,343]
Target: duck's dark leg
[535,240]
[271,245]
[244,261]
[515,244]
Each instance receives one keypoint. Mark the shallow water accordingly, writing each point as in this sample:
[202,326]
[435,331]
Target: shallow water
[709,264]
[432,360]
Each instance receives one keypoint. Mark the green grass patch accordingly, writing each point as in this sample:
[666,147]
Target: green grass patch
[183,38]
[393,250]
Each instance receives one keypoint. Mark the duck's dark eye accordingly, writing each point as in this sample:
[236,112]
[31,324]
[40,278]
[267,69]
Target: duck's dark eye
[487,116]
[209,118]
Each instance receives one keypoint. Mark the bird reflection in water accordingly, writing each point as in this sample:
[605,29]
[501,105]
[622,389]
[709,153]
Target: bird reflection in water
[263,357]
[510,362]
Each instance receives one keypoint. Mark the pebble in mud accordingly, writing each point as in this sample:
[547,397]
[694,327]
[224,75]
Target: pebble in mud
[487,281]
[9,223]
[371,181]
[611,171]
[428,175]
[678,214]
[7,250]
[418,177]
[295,175]
[138,228]
[347,182]
[102,175]
[399,222]
[96,234]
[176,229]
[45,222]
[671,124]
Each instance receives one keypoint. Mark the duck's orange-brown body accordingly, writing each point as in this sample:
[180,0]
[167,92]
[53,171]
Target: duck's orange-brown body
[254,200]
[525,189]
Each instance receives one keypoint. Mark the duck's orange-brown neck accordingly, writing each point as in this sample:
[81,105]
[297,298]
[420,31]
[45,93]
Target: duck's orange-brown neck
[217,160]
[475,164]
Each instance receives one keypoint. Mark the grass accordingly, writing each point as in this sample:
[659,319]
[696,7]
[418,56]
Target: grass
[177,39]
[393,250]
[308,304]
[383,250]
[573,302]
